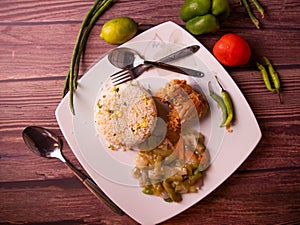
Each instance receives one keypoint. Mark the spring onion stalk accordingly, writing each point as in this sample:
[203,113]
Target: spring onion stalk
[77,45]
[90,19]
[259,8]
[97,13]
[252,17]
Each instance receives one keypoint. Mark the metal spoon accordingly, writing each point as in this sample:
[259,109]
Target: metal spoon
[46,144]
[123,57]
[128,58]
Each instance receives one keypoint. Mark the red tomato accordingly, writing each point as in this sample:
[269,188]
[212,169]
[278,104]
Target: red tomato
[232,50]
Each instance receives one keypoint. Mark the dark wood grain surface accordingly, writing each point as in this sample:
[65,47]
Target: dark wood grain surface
[36,43]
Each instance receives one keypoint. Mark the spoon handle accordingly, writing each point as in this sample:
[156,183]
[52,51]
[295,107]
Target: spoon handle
[176,69]
[180,54]
[95,189]
[184,52]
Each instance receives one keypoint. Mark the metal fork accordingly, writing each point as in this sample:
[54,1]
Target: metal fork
[128,74]
[134,72]
[131,73]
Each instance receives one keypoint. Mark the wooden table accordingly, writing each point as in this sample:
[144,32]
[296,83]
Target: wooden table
[37,40]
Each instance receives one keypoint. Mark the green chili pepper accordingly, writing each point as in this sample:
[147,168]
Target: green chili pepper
[265,76]
[228,103]
[274,76]
[220,102]
[229,107]
[272,72]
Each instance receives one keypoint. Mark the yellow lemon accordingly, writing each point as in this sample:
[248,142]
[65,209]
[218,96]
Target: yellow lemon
[118,30]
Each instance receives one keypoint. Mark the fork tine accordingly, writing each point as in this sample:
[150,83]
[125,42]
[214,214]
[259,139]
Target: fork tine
[128,74]
[121,77]
[117,73]
[120,81]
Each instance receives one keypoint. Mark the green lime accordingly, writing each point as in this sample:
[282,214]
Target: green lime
[118,30]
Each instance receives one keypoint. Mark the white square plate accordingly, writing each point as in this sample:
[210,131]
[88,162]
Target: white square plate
[111,169]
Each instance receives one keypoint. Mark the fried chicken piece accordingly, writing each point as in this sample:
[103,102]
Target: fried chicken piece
[185,103]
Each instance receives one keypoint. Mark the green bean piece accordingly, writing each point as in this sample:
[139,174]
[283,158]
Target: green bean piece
[189,168]
[220,102]
[157,189]
[196,171]
[147,191]
[168,200]
[274,77]
[193,179]
[176,177]
[259,8]
[228,103]
[176,197]
[252,17]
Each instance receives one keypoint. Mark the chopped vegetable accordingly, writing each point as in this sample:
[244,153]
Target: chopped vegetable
[147,191]
[169,171]
[168,200]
